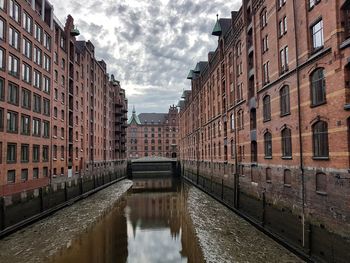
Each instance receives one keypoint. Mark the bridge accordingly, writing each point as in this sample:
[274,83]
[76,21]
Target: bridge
[153,167]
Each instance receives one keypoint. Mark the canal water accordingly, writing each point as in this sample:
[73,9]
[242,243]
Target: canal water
[151,224]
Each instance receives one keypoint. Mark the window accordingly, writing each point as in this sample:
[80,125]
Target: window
[46,129]
[36,103]
[286,143]
[287,178]
[12,122]
[45,153]
[11,153]
[265,43]
[2,4]
[27,48]
[11,176]
[24,153]
[284,101]
[232,121]
[14,38]
[35,173]
[14,10]
[2,59]
[47,85]
[281,3]
[317,35]
[36,127]
[62,152]
[2,89]
[38,32]
[26,98]
[36,153]
[24,175]
[25,124]
[55,112]
[320,139]
[1,122]
[268,144]
[321,183]
[45,171]
[240,120]
[312,3]
[284,60]
[37,79]
[37,56]
[263,18]
[46,105]
[47,41]
[26,73]
[13,94]
[267,108]
[2,29]
[27,22]
[318,87]
[47,62]
[62,114]
[282,26]
[55,152]
[266,72]
[13,66]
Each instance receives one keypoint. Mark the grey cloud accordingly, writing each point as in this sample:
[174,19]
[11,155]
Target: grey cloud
[156,44]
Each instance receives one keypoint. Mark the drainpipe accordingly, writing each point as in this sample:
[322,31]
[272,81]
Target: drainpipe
[299,122]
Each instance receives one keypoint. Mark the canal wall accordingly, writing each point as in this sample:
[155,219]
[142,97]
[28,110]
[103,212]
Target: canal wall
[21,209]
[274,210]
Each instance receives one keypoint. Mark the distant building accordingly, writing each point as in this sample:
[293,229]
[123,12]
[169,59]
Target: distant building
[153,134]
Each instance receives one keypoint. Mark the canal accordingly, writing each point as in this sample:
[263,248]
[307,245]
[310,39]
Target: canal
[149,225]
[155,220]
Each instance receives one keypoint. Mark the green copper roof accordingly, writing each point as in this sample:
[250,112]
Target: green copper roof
[190,75]
[217,29]
[134,118]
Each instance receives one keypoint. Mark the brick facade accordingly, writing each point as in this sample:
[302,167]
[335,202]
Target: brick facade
[76,113]
[153,134]
[275,112]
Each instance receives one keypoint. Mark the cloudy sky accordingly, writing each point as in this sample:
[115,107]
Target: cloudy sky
[149,45]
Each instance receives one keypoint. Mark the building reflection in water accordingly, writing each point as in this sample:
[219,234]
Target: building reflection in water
[151,225]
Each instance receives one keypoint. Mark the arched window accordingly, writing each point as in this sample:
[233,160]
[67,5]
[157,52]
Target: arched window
[321,182]
[286,135]
[284,100]
[267,108]
[318,87]
[320,139]
[268,144]
[214,150]
[287,178]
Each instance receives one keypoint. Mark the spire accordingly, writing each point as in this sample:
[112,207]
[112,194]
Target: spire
[217,28]
[134,117]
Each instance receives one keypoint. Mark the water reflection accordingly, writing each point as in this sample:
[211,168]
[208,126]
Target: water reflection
[150,225]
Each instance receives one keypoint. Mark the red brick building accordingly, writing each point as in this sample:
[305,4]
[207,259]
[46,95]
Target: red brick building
[60,113]
[153,134]
[270,109]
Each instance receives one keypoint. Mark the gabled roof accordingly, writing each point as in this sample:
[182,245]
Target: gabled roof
[148,118]
[134,118]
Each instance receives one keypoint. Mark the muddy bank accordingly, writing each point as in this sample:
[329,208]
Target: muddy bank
[40,241]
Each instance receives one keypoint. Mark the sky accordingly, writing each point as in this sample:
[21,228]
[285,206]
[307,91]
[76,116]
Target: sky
[149,46]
